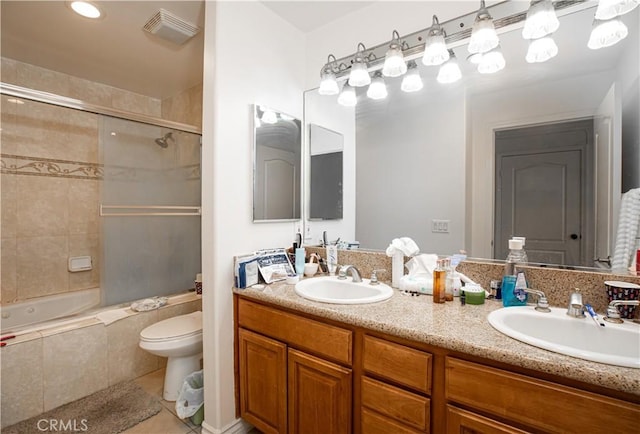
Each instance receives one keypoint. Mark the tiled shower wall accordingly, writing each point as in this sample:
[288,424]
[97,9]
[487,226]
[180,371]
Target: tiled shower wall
[51,176]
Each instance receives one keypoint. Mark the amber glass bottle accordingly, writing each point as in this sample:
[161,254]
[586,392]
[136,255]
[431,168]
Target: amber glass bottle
[439,282]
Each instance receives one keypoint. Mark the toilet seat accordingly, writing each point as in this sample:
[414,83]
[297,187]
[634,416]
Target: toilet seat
[178,327]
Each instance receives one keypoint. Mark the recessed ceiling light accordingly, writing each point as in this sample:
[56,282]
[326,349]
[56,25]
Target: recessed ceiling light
[86,9]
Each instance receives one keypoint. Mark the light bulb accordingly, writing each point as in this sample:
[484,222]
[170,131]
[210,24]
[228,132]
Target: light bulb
[608,9]
[607,33]
[359,75]
[412,82]
[450,71]
[269,117]
[541,50]
[328,84]
[435,49]
[377,88]
[394,64]
[86,9]
[483,35]
[541,20]
[348,96]
[491,62]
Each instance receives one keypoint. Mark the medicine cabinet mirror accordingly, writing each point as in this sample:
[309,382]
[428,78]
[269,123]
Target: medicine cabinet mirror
[325,173]
[277,165]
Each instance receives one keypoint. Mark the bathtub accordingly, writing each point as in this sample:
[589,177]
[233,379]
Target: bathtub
[43,310]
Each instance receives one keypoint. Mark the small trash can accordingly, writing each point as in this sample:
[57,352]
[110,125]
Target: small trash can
[190,402]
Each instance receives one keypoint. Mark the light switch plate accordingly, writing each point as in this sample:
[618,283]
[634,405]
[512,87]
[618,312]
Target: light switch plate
[440,226]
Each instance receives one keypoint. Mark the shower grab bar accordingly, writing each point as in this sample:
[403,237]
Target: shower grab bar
[195,210]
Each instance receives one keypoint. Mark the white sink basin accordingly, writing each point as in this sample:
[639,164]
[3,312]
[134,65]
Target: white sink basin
[613,344]
[330,289]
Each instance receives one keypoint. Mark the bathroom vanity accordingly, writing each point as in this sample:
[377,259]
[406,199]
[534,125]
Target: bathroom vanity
[407,365]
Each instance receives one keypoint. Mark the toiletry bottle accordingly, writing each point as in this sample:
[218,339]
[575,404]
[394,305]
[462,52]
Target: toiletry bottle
[514,294]
[448,286]
[300,259]
[524,258]
[439,282]
[332,258]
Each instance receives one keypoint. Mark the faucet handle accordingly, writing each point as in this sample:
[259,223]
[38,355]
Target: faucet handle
[342,271]
[374,276]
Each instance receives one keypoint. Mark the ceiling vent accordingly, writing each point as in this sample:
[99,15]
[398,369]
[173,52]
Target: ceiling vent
[170,27]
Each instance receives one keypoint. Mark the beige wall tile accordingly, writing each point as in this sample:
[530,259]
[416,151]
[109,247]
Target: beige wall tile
[8,203]
[8,68]
[22,384]
[39,78]
[41,266]
[136,103]
[82,137]
[126,359]
[9,133]
[42,130]
[76,365]
[170,311]
[42,206]
[84,203]
[8,270]
[90,91]
[85,245]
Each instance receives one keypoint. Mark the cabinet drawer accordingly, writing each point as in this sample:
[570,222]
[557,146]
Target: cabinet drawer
[397,404]
[536,403]
[316,337]
[374,423]
[404,365]
[461,421]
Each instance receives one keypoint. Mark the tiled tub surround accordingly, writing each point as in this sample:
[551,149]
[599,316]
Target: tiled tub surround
[557,284]
[44,369]
[458,328]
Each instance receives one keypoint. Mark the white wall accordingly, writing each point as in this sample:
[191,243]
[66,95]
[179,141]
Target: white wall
[251,56]
[547,102]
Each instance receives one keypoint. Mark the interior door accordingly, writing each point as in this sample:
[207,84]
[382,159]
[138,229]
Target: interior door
[544,192]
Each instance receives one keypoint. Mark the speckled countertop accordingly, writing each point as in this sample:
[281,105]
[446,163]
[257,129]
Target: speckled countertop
[455,327]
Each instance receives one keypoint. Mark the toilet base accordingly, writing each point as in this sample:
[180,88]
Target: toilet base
[177,370]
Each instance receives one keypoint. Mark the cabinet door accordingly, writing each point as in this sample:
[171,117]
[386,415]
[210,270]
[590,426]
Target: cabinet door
[319,396]
[464,422]
[263,382]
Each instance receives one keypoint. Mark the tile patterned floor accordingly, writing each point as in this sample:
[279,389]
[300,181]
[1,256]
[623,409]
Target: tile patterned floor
[165,422]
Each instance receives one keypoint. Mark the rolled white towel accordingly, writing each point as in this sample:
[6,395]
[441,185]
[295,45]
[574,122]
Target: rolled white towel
[405,245]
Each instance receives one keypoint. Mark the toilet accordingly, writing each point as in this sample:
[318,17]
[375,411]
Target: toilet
[180,340]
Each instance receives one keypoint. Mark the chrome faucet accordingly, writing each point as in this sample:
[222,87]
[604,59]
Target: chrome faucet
[543,304]
[374,276]
[576,306]
[612,310]
[352,270]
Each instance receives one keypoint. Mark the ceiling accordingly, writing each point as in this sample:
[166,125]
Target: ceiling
[116,51]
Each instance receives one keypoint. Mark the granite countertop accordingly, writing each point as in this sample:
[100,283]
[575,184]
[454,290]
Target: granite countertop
[455,327]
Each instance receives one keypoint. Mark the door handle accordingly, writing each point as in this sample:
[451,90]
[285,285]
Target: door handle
[574,236]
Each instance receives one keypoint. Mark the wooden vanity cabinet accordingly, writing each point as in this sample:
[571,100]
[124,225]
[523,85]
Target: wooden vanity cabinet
[284,389]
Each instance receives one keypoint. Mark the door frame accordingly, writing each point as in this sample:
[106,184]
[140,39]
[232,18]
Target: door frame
[587,193]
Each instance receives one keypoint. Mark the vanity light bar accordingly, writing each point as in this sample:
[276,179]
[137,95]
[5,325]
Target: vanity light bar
[457,31]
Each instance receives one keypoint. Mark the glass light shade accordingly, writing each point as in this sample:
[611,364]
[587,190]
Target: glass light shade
[475,58]
[449,72]
[348,96]
[541,20]
[412,82]
[483,35]
[491,62]
[435,50]
[607,33]
[377,88]
[394,64]
[328,84]
[86,9]
[541,50]
[269,117]
[359,76]
[608,9]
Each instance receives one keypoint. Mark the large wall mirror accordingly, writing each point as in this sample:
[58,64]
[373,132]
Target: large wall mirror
[430,155]
[276,166]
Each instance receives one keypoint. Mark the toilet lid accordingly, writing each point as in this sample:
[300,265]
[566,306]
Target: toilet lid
[178,326]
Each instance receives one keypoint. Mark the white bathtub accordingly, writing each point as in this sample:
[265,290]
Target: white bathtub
[19,316]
